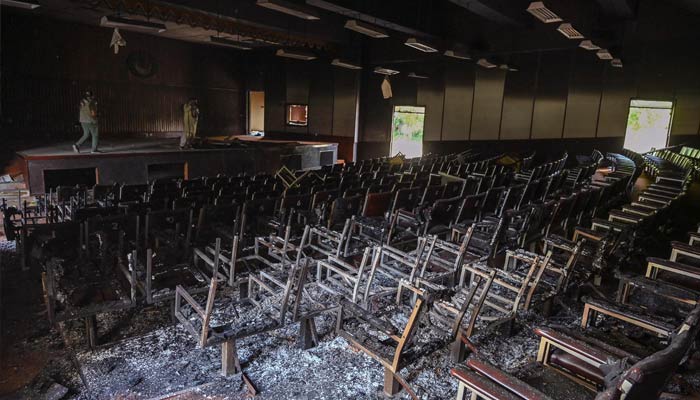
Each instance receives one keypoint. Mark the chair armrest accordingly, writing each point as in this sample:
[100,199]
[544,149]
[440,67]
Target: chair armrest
[686,249]
[507,381]
[481,385]
[574,345]
[661,288]
[364,315]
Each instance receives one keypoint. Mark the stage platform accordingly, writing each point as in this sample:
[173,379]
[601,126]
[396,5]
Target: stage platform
[137,161]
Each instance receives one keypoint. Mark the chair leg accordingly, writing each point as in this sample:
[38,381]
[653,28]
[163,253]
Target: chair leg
[91,331]
[308,337]
[458,351]
[391,386]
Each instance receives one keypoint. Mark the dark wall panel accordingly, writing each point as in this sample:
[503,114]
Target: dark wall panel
[459,94]
[550,100]
[321,100]
[686,115]
[583,102]
[375,110]
[618,89]
[275,97]
[344,102]
[516,118]
[488,101]
[431,95]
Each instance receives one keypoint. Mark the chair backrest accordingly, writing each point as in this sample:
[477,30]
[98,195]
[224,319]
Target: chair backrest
[432,193]
[343,208]
[406,199]
[443,212]
[377,204]
[492,200]
[470,208]
[300,202]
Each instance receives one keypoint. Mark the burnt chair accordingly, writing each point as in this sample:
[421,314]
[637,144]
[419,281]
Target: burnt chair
[595,364]
[372,224]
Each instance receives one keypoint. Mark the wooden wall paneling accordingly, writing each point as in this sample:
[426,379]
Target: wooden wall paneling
[488,103]
[459,96]
[344,102]
[583,102]
[518,98]
[550,100]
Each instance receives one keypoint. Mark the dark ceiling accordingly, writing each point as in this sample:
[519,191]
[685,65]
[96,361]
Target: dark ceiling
[482,27]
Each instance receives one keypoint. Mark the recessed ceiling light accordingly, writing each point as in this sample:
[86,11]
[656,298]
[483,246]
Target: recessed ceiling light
[26,4]
[297,55]
[616,62]
[345,64]
[417,76]
[366,29]
[111,21]
[418,45]
[385,71]
[229,43]
[288,8]
[604,54]
[569,31]
[485,63]
[457,54]
[541,12]
[588,45]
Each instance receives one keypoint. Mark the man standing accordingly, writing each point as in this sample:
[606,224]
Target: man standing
[191,111]
[88,121]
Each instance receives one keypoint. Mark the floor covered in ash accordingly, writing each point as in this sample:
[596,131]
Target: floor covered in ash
[145,355]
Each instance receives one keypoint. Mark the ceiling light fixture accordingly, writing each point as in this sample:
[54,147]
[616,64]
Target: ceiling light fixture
[297,55]
[385,71]
[541,12]
[485,63]
[604,54]
[417,76]
[588,45]
[111,21]
[288,8]
[26,4]
[569,31]
[418,45]
[457,54]
[616,62]
[345,64]
[230,43]
[366,29]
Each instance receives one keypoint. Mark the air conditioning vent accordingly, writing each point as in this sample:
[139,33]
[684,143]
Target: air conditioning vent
[418,45]
[588,45]
[541,12]
[485,63]
[569,31]
[385,71]
[604,54]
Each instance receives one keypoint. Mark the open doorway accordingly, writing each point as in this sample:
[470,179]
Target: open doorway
[407,131]
[256,113]
[648,125]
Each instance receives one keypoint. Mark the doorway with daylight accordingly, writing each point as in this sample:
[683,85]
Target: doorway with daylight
[648,125]
[256,113]
[407,126]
